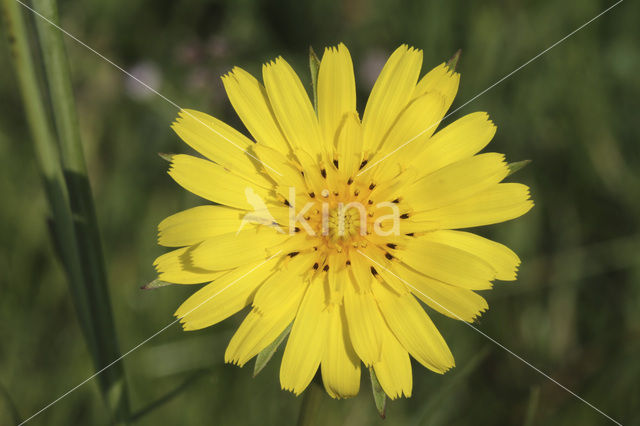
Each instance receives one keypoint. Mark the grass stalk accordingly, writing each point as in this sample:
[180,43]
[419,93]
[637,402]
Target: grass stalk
[74,224]
[311,401]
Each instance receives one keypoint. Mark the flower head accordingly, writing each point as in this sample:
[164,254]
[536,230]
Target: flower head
[337,224]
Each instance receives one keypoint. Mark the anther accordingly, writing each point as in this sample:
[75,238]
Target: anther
[315,265]
[312,194]
[404,216]
[388,256]
[373,271]
[326,268]
[364,163]
[293,254]
[350,181]
[373,185]
[286,203]
[323,172]
[391,245]
[335,163]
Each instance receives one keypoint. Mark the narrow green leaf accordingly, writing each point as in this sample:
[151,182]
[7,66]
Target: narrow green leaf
[155,284]
[166,157]
[516,166]
[379,397]
[453,62]
[311,402]
[265,355]
[314,64]
[532,407]
[169,396]
[11,409]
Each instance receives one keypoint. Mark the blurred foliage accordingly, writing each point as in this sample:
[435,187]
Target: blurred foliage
[574,312]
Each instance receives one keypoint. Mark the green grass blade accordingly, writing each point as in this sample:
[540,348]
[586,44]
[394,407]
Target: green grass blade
[90,253]
[74,227]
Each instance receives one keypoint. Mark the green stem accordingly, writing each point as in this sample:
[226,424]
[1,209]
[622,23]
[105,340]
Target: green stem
[311,401]
[75,227]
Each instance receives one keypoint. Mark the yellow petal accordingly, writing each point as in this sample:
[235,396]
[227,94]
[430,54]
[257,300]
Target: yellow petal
[501,258]
[336,90]
[260,329]
[440,79]
[292,107]
[176,267]
[285,283]
[306,344]
[223,297]
[499,203]
[195,225]
[448,264]
[361,272]
[221,143]
[390,94]
[235,249]
[281,170]
[459,140]
[414,126]
[394,368]
[340,364]
[456,182]
[249,99]
[413,328]
[349,146]
[364,323]
[212,182]
[455,302]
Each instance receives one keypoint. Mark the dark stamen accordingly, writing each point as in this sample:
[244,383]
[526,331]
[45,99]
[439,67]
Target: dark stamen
[373,271]
[293,254]
[391,245]
[373,185]
[312,194]
[404,216]
[323,172]
[396,201]
[286,203]
[326,268]
[335,163]
[388,256]
[350,181]
[364,163]
[315,265]
[410,234]
[348,262]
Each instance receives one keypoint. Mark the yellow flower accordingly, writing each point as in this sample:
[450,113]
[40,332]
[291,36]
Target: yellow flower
[337,224]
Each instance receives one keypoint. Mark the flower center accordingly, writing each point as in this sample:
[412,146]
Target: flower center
[344,221]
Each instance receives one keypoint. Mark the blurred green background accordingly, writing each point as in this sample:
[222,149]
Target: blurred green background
[574,312]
